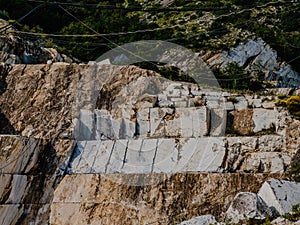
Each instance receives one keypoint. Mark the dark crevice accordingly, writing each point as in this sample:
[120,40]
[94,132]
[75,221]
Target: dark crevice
[5,125]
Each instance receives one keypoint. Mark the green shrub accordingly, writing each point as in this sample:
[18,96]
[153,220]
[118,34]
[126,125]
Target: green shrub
[294,215]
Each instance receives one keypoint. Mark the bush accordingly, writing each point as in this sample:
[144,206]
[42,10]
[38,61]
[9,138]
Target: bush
[292,104]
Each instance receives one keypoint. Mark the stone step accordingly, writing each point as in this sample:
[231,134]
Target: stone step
[176,155]
[191,122]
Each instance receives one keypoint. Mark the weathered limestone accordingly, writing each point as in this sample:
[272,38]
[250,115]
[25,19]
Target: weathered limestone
[246,205]
[111,198]
[18,155]
[281,195]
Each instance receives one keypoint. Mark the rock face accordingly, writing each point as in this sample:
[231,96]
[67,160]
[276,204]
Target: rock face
[280,195]
[257,55]
[100,144]
[247,205]
[35,189]
[28,178]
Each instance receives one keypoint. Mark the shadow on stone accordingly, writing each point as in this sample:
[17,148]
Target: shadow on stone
[5,125]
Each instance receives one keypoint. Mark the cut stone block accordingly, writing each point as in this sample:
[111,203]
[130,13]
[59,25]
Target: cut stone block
[139,156]
[118,156]
[104,150]
[227,106]
[268,105]
[218,120]
[10,214]
[106,127]
[242,103]
[157,120]
[280,195]
[88,153]
[165,156]
[188,122]
[143,122]
[263,119]
[255,103]
[85,130]
[127,129]
[208,155]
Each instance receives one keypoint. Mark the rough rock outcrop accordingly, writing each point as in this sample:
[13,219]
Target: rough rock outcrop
[17,50]
[258,55]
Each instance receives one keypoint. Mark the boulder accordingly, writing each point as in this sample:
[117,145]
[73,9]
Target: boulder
[280,195]
[247,205]
[200,220]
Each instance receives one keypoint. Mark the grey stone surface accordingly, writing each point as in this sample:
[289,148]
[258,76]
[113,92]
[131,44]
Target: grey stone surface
[255,103]
[143,122]
[263,119]
[127,129]
[149,155]
[105,126]
[140,155]
[85,128]
[268,105]
[241,104]
[266,162]
[246,205]
[280,194]
[200,220]
[263,58]
[218,119]
[117,157]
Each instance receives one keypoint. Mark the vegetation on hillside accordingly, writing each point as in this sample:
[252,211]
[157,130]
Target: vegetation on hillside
[198,25]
